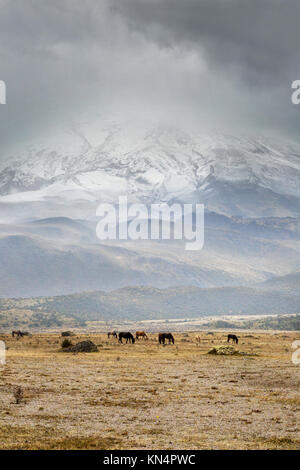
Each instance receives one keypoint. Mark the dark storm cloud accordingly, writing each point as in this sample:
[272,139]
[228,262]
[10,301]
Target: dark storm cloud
[209,62]
[252,44]
[257,37]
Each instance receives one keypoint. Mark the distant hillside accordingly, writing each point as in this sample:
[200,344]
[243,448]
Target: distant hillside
[140,303]
[275,323]
[62,256]
[282,322]
[289,282]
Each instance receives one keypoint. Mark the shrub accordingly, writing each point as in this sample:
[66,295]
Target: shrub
[66,343]
[18,394]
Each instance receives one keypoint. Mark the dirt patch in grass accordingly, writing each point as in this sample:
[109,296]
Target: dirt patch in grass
[283,443]
[21,437]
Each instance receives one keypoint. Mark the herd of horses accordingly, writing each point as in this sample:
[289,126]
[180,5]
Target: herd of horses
[162,337]
[126,335]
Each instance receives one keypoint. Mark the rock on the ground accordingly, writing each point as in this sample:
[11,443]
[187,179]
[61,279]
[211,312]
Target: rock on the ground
[83,346]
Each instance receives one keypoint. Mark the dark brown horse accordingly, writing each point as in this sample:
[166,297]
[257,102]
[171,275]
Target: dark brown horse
[233,337]
[18,334]
[112,333]
[126,335]
[163,336]
[141,334]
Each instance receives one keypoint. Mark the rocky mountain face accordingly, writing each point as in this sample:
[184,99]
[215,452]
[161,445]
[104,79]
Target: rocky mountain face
[49,193]
[230,175]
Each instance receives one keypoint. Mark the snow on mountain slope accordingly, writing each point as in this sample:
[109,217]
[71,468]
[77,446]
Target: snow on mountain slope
[231,175]
[49,192]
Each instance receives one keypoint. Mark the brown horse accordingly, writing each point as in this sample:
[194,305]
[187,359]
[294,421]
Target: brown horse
[233,337]
[141,334]
[163,336]
[112,333]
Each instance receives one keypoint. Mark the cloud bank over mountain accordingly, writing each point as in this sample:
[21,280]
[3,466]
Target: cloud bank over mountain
[162,101]
[205,64]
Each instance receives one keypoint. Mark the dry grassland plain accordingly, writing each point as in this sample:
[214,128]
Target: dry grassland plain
[147,396]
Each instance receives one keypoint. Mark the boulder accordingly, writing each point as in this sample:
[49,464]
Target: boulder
[67,333]
[83,346]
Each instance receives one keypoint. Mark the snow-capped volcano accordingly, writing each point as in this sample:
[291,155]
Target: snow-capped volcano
[50,192]
[230,175]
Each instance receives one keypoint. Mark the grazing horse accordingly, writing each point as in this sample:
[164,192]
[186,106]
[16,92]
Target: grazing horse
[20,334]
[233,337]
[126,335]
[141,334]
[163,336]
[198,339]
[17,333]
[112,333]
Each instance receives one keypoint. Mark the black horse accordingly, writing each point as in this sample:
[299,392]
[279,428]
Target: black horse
[233,337]
[112,333]
[19,333]
[126,335]
[163,336]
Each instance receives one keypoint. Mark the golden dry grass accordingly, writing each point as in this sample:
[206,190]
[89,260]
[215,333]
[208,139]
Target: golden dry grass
[146,396]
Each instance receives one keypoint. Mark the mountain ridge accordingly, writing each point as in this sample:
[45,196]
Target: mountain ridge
[148,303]
[229,174]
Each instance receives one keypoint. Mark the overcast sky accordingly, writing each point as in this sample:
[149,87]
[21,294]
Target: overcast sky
[220,64]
